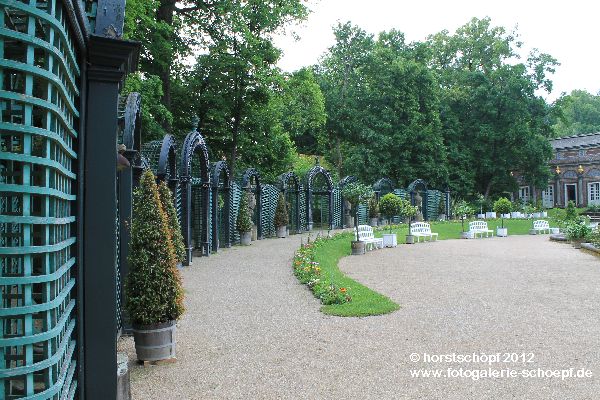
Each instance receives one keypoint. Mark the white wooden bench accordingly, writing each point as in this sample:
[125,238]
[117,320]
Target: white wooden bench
[541,226]
[365,234]
[480,227]
[422,230]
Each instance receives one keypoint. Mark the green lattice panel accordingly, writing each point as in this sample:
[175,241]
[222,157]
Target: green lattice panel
[198,209]
[337,208]
[270,195]
[303,222]
[433,204]
[236,196]
[363,214]
[151,152]
[39,95]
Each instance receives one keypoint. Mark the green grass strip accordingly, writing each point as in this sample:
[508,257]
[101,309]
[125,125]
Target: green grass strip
[365,301]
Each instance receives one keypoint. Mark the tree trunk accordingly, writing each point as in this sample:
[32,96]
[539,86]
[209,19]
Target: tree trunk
[488,187]
[165,13]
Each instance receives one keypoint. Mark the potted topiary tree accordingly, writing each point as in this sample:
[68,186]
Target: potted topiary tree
[407,212]
[390,205]
[480,200]
[281,217]
[243,222]
[166,199]
[356,193]
[463,210]
[373,212]
[154,291]
[502,206]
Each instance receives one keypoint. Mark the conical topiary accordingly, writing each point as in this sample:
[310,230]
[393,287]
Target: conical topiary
[154,290]
[281,212]
[244,221]
[166,200]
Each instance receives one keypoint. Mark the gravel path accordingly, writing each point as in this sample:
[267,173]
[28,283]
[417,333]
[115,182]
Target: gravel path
[251,331]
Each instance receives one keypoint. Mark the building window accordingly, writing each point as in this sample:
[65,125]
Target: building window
[594,193]
[524,193]
[548,197]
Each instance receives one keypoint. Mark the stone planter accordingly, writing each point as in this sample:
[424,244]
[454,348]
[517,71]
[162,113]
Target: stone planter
[505,216]
[554,231]
[480,216]
[358,248]
[466,235]
[245,238]
[544,214]
[537,215]
[490,215]
[254,233]
[502,232]
[515,214]
[373,222]
[533,232]
[282,231]
[442,217]
[390,240]
[410,239]
[155,342]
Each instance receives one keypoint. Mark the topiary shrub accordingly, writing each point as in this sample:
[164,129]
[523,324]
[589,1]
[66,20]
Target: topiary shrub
[463,210]
[166,200]
[390,205]
[281,212]
[571,211]
[373,207]
[153,285]
[243,222]
[502,206]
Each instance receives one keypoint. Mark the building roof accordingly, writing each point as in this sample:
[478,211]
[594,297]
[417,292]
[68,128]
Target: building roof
[576,141]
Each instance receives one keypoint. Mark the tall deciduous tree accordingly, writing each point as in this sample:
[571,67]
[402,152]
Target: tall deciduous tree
[382,104]
[493,120]
[577,113]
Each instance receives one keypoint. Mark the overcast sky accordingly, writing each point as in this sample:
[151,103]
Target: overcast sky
[566,30]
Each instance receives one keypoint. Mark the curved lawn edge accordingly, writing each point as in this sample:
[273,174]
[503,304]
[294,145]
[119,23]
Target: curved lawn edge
[365,302]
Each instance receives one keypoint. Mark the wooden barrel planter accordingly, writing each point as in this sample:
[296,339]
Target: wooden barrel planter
[358,248]
[155,342]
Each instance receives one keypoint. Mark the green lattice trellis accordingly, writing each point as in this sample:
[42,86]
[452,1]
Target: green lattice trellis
[39,75]
[270,194]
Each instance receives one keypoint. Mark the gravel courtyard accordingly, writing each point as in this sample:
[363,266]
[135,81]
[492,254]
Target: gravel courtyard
[251,331]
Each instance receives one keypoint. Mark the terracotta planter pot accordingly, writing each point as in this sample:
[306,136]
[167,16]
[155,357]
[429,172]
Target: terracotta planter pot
[410,239]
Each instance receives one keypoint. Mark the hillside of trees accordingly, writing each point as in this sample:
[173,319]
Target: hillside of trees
[458,109]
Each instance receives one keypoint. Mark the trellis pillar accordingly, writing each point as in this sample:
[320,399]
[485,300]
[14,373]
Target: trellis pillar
[109,60]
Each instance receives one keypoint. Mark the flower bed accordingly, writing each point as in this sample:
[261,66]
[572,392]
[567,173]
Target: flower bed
[308,272]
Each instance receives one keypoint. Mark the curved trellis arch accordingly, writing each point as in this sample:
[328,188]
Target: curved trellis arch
[289,184]
[345,211]
[383,186]
[220,184]
[310,192]
[252,175]
[132,132]
[167,164]
[195,180]
[412,189]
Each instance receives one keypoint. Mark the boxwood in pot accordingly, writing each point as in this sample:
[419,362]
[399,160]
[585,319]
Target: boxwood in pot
[154,293]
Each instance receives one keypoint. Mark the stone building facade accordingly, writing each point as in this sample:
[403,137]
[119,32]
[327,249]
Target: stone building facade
[575,174]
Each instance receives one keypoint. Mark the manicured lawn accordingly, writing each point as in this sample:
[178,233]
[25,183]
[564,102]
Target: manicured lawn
[367,302]
[452,229]
[364,300]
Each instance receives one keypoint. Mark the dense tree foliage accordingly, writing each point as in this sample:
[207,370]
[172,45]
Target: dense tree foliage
[493,120]
[459,108]
[577,113]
